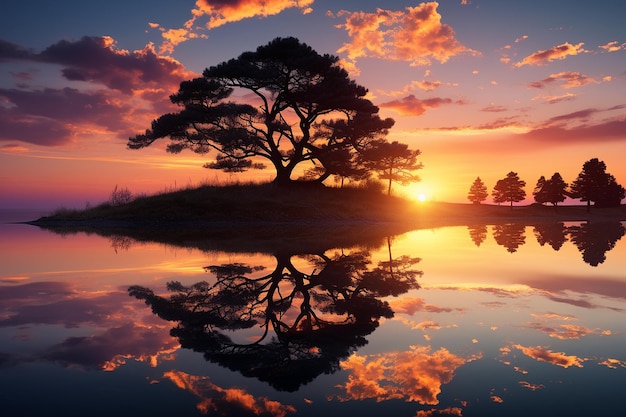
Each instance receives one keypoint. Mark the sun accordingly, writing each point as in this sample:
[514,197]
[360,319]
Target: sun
[420,192]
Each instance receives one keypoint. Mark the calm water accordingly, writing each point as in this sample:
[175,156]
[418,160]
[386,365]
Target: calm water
[506,320]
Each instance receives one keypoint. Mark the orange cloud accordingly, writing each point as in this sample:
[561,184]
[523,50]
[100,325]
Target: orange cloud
[556,99]
[451,411]
[566,79]
[228,401]
[532,387]
[13,149]
[555,53]
[613,46]
[413,375]
[543,354]
[415,35]
[613,363]
[412,106]
[411,305]
[221,12]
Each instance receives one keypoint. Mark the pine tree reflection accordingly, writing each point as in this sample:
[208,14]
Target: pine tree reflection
[554,234]
[478,233]
[593,240]
[510,235]
[316,319]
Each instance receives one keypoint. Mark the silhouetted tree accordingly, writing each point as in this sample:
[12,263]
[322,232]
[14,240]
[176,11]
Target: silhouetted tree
[307,322]
[552,191]
[594,240]
[477,192]
[510,188]
[305,109]
[393,161]
[510,235]
[540,191]
[342,164]
[595,184]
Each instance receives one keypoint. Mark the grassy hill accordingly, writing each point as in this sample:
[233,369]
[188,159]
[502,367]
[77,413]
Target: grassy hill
[268,204]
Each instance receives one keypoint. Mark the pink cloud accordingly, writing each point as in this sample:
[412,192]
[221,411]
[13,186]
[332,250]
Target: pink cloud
[566,79]
[494,109]
[412,106]
[101,350]
[128,90]
[411,305]
[555,53]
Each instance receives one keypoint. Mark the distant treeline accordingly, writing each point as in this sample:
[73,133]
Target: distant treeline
[593,184]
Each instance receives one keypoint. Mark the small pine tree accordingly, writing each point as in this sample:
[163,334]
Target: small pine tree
[477,192]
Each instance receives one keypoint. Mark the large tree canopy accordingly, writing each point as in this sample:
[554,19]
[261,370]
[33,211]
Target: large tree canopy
[595,184]
[509,188]
[295,108]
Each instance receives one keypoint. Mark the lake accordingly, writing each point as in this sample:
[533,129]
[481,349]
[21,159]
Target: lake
[480,320]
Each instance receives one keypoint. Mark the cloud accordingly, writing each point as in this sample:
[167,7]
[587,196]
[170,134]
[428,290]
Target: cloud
[423,85]
[12,52]
[108,349]
[566,79]
[544,354]
[415,35]
[226,401]
[96,59]
[52,117]
[613,363]
[451,411]
[606,287]
[118,94]
[556,99]
[412,106]
[555,53]
[109,319]
[411,305]
[221,12]
[413,375]
[11,148]
[494,109]
[567,331]
[613,46]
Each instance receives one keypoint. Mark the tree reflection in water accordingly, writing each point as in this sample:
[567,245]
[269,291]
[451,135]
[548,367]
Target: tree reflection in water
[478,233]
[553,234]
[316,319]
[510,235]
[592,239]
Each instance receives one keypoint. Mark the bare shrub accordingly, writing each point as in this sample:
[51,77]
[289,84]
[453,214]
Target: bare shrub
[120,196]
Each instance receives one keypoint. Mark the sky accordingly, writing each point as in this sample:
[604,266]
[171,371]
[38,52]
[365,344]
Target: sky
[480,87]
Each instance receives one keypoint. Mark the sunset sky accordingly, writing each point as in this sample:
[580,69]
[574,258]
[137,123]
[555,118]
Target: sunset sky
[481,87]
